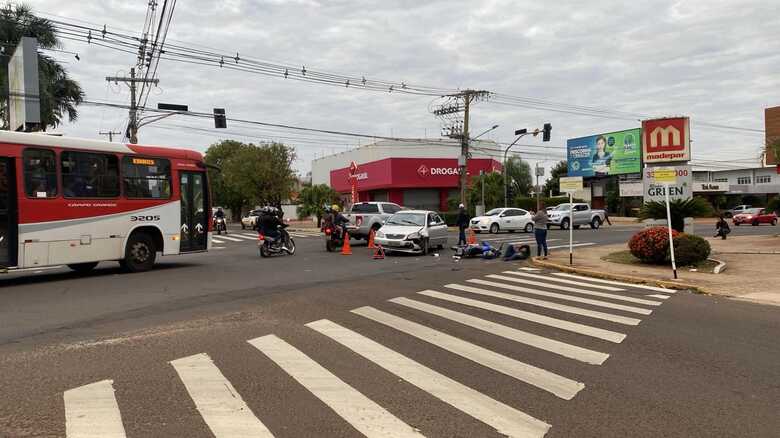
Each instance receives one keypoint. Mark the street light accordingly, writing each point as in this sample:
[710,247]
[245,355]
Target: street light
[480,135]
[520,133]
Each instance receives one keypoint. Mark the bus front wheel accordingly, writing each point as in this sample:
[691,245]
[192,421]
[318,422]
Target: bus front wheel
[140,253]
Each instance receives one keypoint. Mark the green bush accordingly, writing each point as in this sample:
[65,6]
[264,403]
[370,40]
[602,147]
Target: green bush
[774,205]
[690,249]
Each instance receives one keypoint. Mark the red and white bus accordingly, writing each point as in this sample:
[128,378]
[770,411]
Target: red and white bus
[75,202]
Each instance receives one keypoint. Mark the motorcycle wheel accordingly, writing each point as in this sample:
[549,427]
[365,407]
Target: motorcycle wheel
[290,245]
[264,253]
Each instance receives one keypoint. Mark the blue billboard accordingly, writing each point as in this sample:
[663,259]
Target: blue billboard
[614,153]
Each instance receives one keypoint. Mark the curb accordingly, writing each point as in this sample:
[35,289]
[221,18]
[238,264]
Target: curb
[625,278]
[720,268]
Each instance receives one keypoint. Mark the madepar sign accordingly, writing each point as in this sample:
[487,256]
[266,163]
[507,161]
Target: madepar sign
[666,140]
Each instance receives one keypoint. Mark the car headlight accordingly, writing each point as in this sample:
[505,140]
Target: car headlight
[485,220]
[413,236]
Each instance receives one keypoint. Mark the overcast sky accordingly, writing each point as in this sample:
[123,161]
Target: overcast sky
[715,61]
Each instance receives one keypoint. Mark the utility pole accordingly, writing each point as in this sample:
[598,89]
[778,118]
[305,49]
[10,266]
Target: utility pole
[110,134]
[457,103]
[132,125]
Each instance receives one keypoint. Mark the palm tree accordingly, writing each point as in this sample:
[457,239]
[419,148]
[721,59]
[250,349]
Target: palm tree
[59,95]
[679,209]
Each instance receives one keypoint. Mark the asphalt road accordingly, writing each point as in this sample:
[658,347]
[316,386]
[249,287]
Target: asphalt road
[172,344]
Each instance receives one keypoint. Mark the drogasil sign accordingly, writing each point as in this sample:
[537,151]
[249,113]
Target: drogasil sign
[425,171]
[665,140]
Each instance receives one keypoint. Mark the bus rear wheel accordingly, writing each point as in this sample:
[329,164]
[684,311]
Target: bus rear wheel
[140,253]
[83,267]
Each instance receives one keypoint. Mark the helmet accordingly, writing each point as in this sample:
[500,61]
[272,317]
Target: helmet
[336,208]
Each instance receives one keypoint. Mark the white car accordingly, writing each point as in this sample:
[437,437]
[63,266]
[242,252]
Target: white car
[414,231]
[507,219]
[250,220]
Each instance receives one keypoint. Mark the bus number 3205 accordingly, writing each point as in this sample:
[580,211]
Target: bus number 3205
[144,218]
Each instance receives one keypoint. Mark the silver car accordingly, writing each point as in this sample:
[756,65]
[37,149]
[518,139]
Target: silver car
[413,231]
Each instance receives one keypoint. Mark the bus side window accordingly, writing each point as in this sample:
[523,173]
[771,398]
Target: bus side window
[146,178]
[89,175]
[40,173]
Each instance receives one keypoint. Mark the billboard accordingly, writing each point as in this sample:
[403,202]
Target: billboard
[614,153]
[666,140]
[655,188]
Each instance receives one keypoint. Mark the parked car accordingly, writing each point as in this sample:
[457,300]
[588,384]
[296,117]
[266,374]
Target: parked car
[582,213]
[731,212]
[509,219]
[413,231]
[250,220]
[755,217]
[366,216]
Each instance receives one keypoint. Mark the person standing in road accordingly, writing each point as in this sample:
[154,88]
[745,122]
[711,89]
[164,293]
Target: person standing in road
[722,228]
[541,220]
[606,216]
[462,223]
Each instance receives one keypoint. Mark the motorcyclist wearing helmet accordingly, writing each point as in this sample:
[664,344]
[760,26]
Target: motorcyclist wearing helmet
[219,214]
[327,218]
[339,220]
[269,222]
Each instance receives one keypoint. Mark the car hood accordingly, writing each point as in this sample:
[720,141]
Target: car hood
[479,218]
[400,229]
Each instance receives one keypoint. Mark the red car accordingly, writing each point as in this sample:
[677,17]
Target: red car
[755,216]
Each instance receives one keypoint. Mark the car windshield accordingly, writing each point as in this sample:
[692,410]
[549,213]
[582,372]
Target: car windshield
[563,207]
[494,212]
[417,219]
[752,211]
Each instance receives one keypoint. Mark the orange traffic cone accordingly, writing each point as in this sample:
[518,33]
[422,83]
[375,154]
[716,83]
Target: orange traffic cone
[371,239]
[346,249]
[379,254]
[472,240]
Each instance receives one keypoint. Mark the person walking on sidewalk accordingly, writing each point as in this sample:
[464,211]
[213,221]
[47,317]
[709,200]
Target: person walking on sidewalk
[541,220]
[606,216]
[462,222]
[722,227]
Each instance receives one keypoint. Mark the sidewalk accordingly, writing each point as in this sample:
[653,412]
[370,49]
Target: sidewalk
[751,272]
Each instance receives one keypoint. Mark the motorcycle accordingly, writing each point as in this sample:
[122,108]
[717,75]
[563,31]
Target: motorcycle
[220,225]
[334,236]
[284,244]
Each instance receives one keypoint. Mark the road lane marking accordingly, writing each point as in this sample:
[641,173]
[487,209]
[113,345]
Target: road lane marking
[218,402]
[218,247]
[531,269]
[358,410]
[242,237]
[253,236]
[232,239]
[564,281]
[91,411]
[215,240]
[659,296]
[607,335]
[505,419]
[620,319]
[581,291]
[574,245]
[618,283]
[540,342]
[576,299]
[562,387]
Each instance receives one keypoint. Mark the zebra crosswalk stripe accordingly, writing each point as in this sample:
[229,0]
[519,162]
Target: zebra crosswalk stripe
[619,283]
[505,419]
[215,240]
[241,236]
[91,411]
[358,410]
[562,387]
[607,335]
[620,319]
[564,281]
[218,402]
[576,299]
[659,296]
[575,290]
[224,237]
[547,344]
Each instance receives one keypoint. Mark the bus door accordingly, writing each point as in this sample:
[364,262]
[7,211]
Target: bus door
[8,210]
[194,212]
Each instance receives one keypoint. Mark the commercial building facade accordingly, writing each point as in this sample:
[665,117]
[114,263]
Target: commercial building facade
[416,175]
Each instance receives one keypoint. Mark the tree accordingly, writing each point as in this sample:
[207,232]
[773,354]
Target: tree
[494,190]
[518,173]
[553,183]
[59,95]
[679,209]
[314,199]
[251,174]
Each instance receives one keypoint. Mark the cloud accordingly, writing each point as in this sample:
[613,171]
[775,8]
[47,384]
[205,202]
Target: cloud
[707,59]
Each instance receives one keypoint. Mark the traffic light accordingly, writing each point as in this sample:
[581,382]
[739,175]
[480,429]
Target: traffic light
[220,121]
[546,132]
